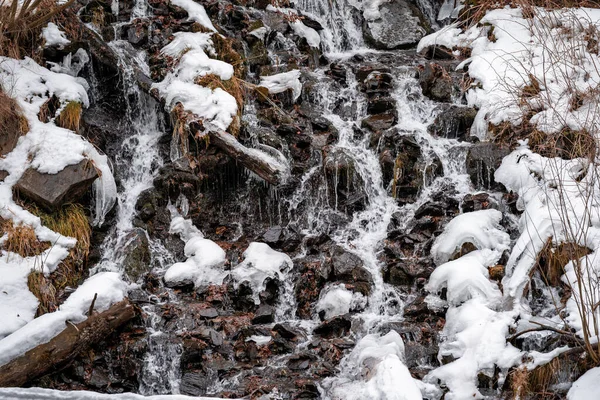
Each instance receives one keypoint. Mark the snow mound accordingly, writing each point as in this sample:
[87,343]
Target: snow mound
[586,387]
[476,336]
[375,370]
[481,228]
[260,263]
[464,279]
[337,300]
[205,258]
[53,36]
[110,289]
[196,13]
[281,82]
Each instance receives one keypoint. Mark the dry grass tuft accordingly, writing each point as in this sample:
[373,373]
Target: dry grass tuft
[21,24]
[224,47]
[70,221]
[21,239]
[232,86]
[552,260]
[13,123]
[70,117]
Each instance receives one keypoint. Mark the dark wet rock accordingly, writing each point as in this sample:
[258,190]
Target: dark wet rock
[403,163]
[400,25]
[311,23]
[477,201]
[265,314]
[195,383]
[3,175]
[454,122]
[51,191]
[406,271]
[435,82]
[137,254]
[381,104]
[137,33]
[365,70]
[344,184]
[379,122]
[258,55]
[378,82]
[334,327]
[177,178]
[482,161]
[337,72]
[273,235]
[148,204]
[287,331]
[300,361]
[102,128]
[437,52]
[208,313]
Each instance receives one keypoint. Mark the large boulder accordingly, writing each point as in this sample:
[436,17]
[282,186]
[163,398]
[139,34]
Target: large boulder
[400,24]
[51,191]
[482,161]
[454,122]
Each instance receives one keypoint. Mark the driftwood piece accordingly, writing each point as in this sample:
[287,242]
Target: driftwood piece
[47,357]
[262,164]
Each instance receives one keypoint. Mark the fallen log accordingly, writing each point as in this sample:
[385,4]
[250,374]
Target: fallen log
[76,338]
[261,163]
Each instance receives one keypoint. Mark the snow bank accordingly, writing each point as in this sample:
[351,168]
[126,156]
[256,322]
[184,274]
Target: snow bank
[481,228]
[281,82]
[476,336]
[53,36]
[508,50]
[196,12]
[337,300]
[375,370]
[260,263]
[110,289]
[46,147]
[586,387]
[52,394]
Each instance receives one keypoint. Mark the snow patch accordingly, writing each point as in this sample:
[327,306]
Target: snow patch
[260,263]
[337,300]
[279,83]
[53,36]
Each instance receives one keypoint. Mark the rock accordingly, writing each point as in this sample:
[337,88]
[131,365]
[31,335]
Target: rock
[334,327]
[208,313]
[137,254]
[363,72]
[137,33]
[378,82]
[435,82]
[476,202]
[273,235]
[177,178]
[404,272]
[264,315]
[437,52]
[381,104]
[344,184]
[195,383]
[3,175]
[337,72]
[379,122]
[51,191]
[482,161]
[287,331]
[400,25]
[148,203]
[454,122]
[299,362]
